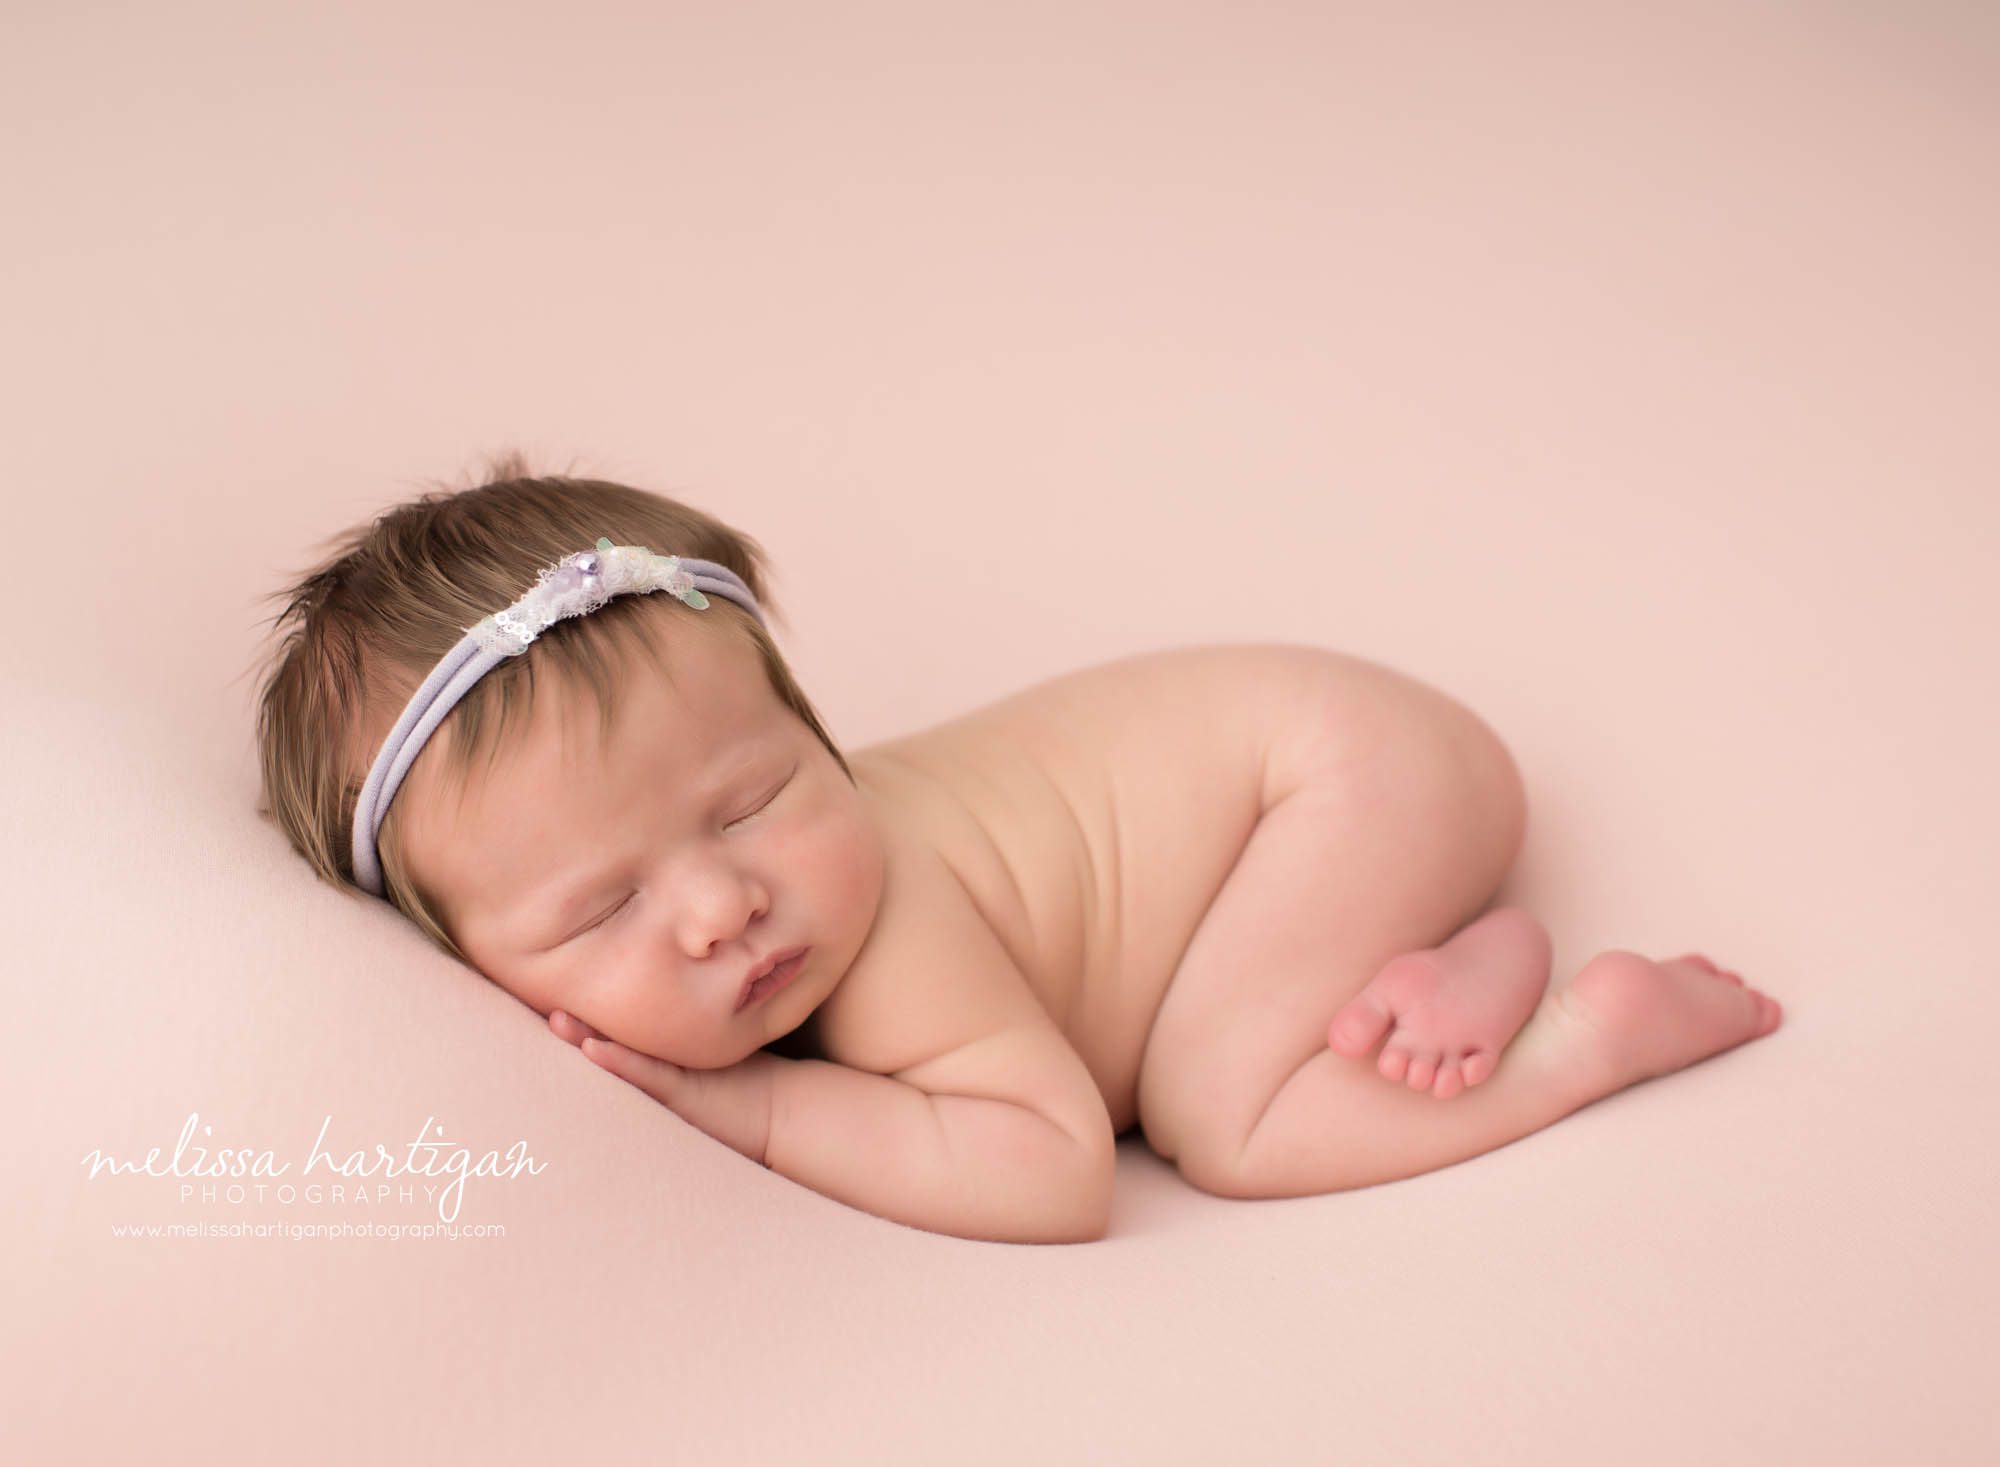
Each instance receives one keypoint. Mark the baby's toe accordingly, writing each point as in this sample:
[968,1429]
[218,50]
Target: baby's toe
[1450,1080]
[1358,1026]
[1423,1069]
[1393,1063]
[1715,968]
[1476,1067]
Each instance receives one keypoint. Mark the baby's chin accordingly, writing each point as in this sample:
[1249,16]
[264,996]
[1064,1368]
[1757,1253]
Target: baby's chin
[719,1055]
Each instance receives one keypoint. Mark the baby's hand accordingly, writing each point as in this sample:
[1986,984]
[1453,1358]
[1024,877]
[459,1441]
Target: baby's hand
[733,1104]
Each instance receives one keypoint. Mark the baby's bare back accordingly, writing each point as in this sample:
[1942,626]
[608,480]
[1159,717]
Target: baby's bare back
[1090,820]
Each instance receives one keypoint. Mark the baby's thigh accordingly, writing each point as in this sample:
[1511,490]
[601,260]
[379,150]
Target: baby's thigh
[1382,848]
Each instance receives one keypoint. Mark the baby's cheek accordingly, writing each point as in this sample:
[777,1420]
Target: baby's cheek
[851,862]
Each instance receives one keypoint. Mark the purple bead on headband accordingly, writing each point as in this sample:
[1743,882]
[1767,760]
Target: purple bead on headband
[574,586]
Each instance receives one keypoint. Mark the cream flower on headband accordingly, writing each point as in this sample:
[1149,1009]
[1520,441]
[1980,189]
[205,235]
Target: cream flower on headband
[581,583]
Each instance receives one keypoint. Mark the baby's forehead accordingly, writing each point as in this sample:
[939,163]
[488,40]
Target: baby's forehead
[718,675]
[699,689]
[700,693]
[664,736]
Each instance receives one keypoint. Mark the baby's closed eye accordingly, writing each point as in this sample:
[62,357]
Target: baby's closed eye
[765,803]
[600,921]
[611,912]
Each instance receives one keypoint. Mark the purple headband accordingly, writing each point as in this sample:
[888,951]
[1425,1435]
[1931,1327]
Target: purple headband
[573,586]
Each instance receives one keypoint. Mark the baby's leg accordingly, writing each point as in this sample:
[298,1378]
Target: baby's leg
[1381,853]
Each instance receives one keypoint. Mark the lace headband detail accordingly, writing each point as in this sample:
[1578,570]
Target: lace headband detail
[574,586]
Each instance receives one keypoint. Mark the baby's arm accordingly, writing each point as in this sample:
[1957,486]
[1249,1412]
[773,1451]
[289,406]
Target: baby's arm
[1005,1139]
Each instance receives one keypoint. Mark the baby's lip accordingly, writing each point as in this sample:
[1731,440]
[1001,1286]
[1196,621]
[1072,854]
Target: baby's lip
[782,955]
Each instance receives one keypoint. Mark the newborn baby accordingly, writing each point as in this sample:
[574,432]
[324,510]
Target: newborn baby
[1237,896]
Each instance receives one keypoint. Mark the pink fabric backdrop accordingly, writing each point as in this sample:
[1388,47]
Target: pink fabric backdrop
[1631,378]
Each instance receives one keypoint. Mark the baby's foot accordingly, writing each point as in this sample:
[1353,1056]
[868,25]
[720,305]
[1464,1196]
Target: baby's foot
[1450,1010]
[1646,1018]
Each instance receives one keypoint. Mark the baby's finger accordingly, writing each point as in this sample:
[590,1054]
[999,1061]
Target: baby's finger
[570,1029]
[656,1077]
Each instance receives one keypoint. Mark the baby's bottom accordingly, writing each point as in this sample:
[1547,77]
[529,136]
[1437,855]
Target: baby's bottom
[1386,850]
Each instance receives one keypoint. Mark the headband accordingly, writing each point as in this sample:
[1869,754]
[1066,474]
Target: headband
[573,586]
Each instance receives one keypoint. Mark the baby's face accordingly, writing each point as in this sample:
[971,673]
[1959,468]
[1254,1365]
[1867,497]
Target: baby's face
[638,888]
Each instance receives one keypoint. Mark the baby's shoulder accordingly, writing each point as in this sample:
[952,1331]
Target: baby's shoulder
[933,975]
[936,1000]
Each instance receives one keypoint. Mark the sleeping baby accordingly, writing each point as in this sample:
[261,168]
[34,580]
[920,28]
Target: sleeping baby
[1237,896]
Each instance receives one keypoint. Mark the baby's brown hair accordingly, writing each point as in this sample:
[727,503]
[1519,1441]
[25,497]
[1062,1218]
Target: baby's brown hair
[360,631]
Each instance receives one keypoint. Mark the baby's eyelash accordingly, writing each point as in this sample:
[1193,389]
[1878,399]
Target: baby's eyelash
[605,918]
[766,804]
